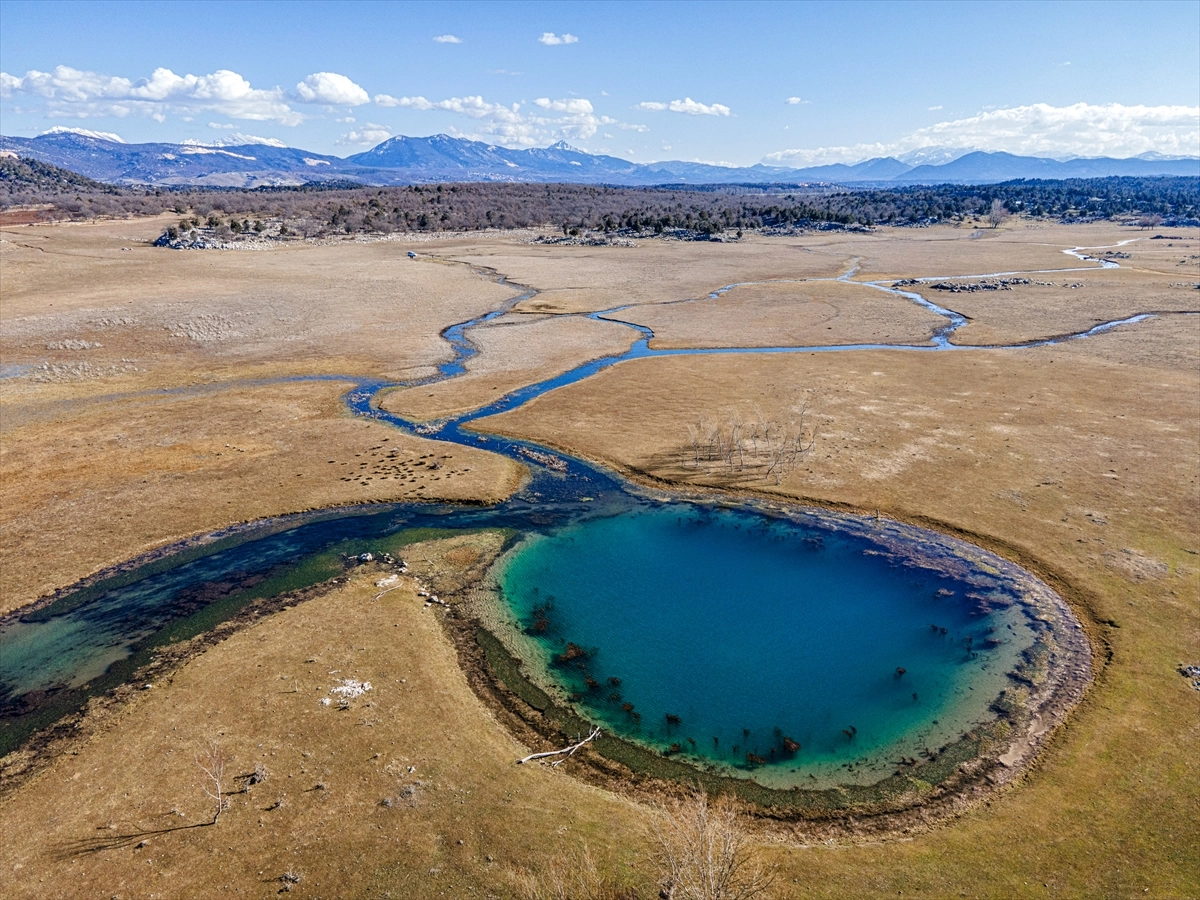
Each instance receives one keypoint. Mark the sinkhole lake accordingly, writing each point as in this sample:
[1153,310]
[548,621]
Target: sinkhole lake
[758,641]
[729,638]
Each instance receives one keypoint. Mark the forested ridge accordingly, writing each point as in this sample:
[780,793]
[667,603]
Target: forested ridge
[345,208]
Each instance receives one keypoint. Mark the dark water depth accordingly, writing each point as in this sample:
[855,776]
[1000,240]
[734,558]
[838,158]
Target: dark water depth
[754,635]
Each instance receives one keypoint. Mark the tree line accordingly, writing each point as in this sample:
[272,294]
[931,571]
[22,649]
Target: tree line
[318,210]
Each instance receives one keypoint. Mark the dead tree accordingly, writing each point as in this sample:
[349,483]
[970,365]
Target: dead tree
[211,763]
[997,213]
[569,750]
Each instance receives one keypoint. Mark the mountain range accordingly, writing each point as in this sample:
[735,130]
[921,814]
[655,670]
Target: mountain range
[254,162]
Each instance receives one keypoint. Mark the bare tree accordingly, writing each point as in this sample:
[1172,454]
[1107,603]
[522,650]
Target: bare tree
[211,763]
[998,213]
[703,852]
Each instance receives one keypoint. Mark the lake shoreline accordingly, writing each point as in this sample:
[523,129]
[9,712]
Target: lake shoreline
[982,763]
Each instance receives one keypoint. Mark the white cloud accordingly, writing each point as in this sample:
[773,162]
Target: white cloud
[934,108]
[447,39]
[796,101]
[475,107]
[572,118]
[576,106]
[687,106]
[81,94]
[331,88]
[550,39]
[370,135]
[1039,129]
[86,132]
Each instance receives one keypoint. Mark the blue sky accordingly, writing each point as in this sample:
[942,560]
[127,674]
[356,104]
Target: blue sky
[785,83]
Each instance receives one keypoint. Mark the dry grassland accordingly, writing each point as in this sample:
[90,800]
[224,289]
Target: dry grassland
[586,279]
[1076,302]
[514,350]
[170,317]
[807,312]
[88,486]
[1079,461]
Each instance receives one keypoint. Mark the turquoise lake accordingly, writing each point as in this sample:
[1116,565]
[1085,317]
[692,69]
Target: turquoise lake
[754,634]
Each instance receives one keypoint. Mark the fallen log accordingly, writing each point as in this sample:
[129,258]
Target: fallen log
[569,750]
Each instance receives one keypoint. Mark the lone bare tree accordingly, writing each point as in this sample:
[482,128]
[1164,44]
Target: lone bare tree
[211,763]
[704,853]
[998,213]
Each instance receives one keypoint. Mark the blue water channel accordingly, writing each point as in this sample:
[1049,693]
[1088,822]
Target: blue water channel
[797,645]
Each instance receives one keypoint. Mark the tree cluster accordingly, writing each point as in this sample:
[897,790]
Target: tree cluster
[735,446]
[322,210]
[1174,197]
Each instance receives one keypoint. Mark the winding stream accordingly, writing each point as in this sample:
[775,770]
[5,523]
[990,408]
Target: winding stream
[952,619]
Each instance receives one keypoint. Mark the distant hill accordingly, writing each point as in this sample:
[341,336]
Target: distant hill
[988,168]
[441,158]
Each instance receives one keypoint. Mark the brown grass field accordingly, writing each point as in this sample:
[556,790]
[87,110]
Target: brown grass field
[144,402]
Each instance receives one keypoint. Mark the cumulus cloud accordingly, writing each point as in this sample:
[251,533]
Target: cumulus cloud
[1039,129]
[796,101]
[550,39]
[331,88]
[572,118]
[447,39]
[578,106]
[688,106]
[370,135]
[474,106]
[81,94]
